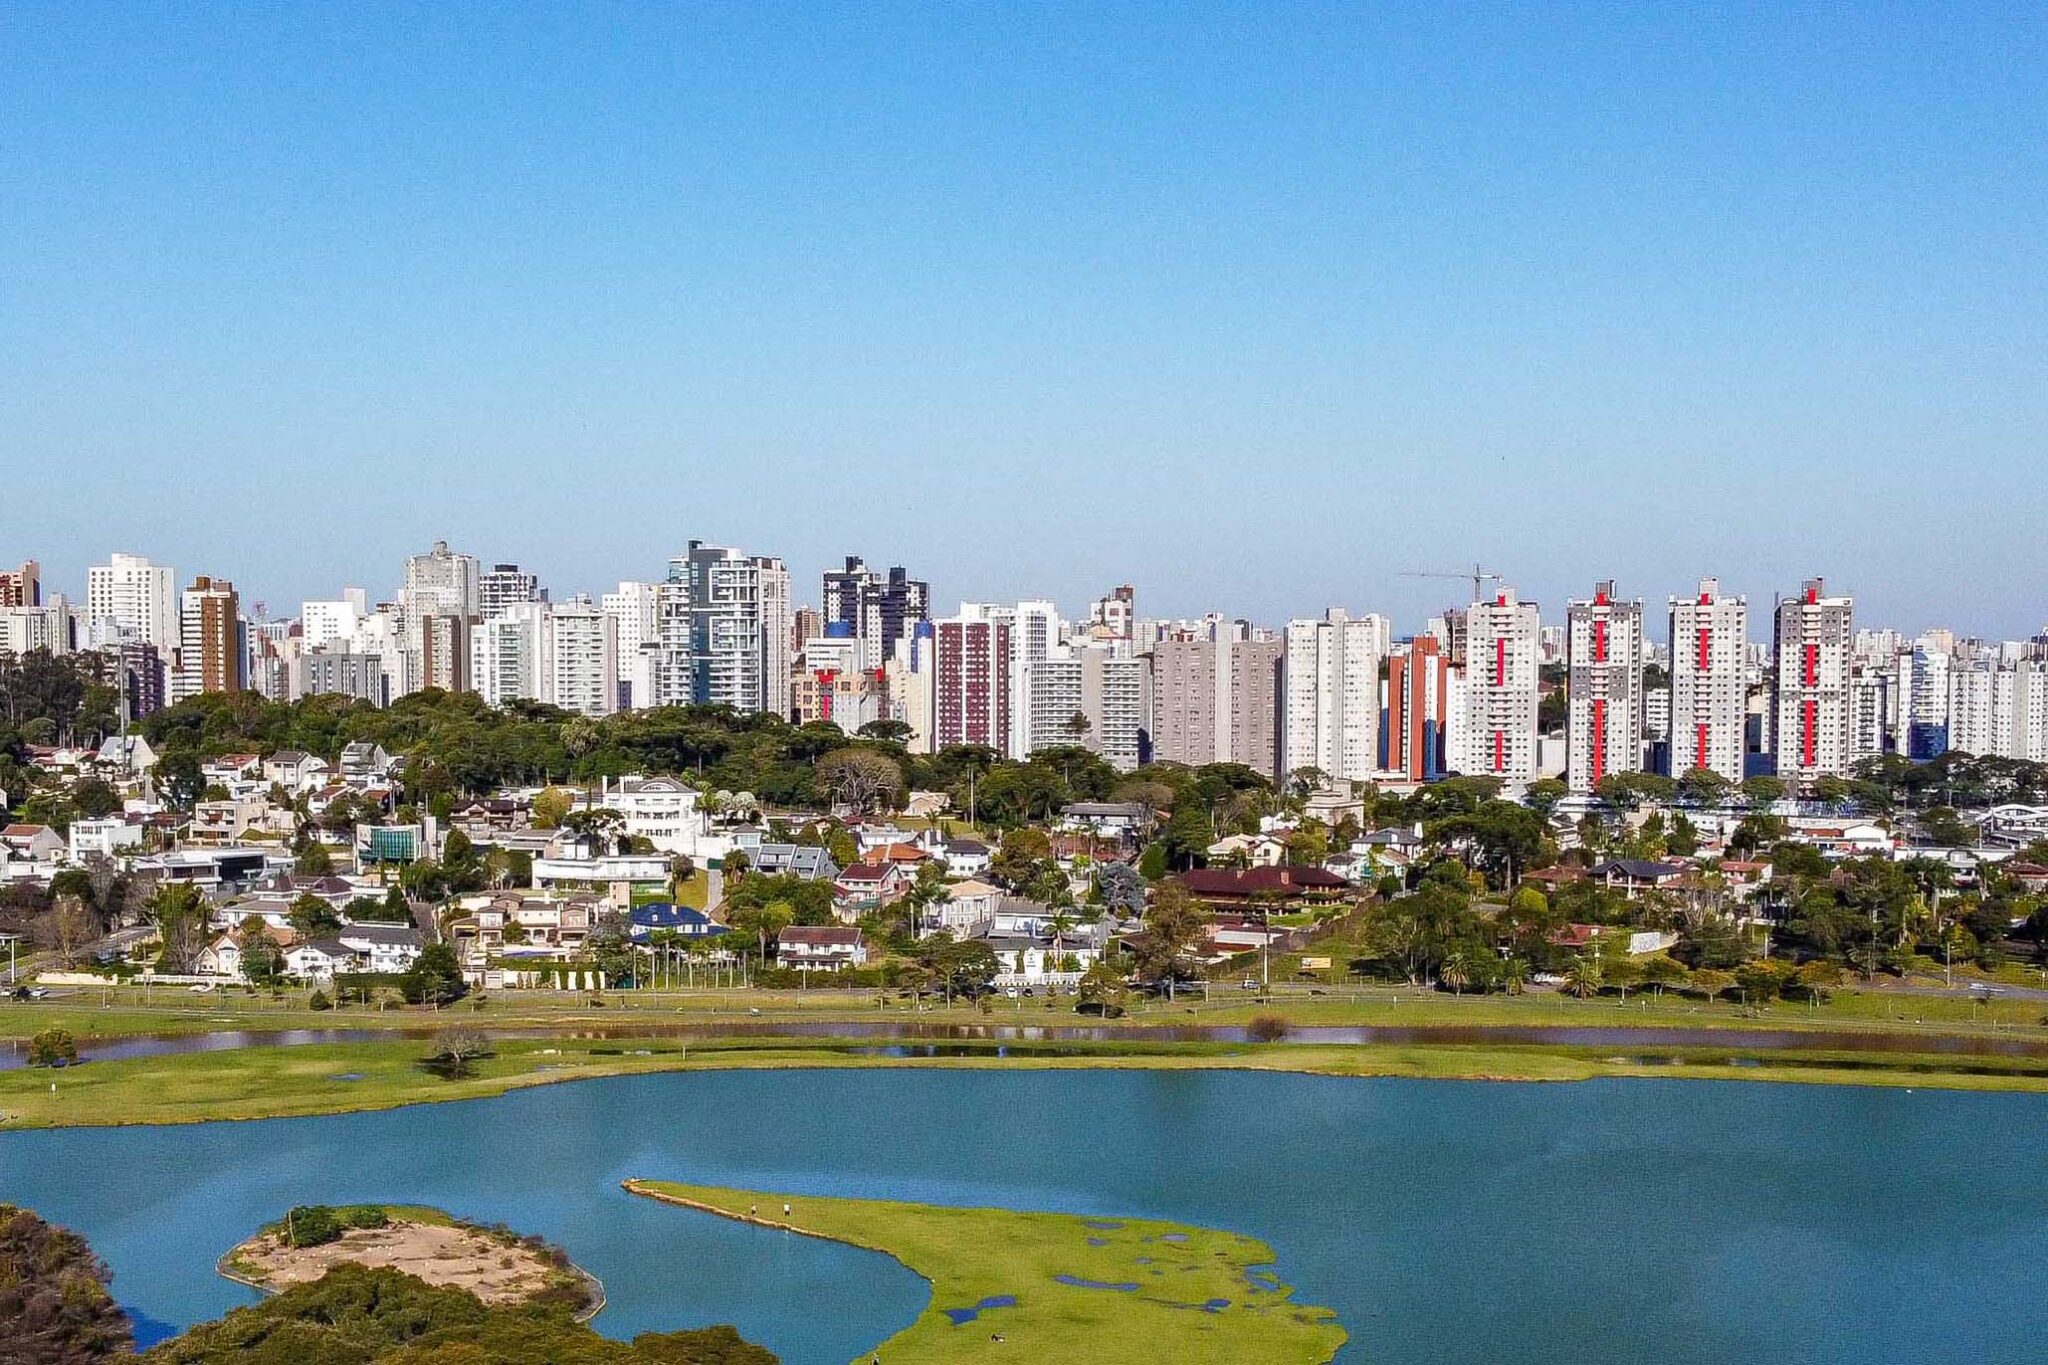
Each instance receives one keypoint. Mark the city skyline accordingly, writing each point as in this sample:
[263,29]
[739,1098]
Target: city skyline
[1264,308]
[1438,589]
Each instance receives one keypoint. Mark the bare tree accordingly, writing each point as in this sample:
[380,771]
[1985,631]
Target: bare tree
[860,778]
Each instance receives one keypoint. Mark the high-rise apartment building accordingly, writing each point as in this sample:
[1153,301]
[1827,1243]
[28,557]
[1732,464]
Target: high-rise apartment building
[1501,680]
[139,597]
[1114,615]
[1330,687]
[911,676]
[723,621]
[878,608]
[1709,681]
[1418,710]
[1216,702]
[213,650]
[22,587]
[334,621]
[506,585]
[1604,688]
[637,641]
[580,658]
[974,658]
[1090,695]
[1999,710]
[441,604]
[51,626]
[441,583]
[1812,711]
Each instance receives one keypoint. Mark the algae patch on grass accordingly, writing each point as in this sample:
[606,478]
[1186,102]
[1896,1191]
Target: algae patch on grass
[1052,1286]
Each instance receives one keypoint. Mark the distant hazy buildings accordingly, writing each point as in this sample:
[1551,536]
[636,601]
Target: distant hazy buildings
[137,596]
[875,608]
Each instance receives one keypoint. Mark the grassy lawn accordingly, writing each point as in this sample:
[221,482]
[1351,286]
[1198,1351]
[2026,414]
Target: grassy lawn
[1154,1291]
[123,1011]
[327,1078]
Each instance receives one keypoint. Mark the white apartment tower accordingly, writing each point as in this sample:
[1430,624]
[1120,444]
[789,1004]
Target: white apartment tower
[1812,715]
[1709,681]
[1604,655]
[1330,690]
[637,640]
[723,622]
[580,664]
[1502,644]
[1089,695]
[137,596]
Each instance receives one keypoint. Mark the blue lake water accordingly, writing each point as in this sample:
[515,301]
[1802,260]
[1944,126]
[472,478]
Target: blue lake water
[1443,1221]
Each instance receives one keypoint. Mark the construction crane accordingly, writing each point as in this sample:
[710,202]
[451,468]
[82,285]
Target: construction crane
[1477,578]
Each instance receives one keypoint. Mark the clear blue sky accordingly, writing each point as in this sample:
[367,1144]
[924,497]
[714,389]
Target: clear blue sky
[1253,306]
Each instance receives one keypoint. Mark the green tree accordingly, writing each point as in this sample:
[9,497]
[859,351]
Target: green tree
[55,1306]
[435,977]
[1583,978]
[52,1047]
[1175,925]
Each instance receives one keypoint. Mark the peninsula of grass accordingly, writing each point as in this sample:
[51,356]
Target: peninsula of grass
[1010,1286]
[499,1266]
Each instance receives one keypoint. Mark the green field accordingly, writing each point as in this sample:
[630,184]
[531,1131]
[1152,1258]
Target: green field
[330,1078]
[1154,1291]
[122,1011]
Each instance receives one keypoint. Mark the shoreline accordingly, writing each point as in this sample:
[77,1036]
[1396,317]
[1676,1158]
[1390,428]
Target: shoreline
[229,1087]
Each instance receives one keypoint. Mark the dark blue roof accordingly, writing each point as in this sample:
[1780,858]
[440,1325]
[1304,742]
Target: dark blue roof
[666,915]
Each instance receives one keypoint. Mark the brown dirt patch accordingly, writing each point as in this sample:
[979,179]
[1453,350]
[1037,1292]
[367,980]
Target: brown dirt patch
[457,1257]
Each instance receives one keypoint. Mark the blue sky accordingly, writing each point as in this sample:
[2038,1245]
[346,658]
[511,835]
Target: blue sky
[1253,306]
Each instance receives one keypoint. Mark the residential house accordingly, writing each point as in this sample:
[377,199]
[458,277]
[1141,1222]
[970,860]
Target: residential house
[107,837]
[1125,821]
[383,947]
[216,823]
[1634,876]
[364,763]
[125,755]
[680,920]
[867,887]
[969,906]
[229,770]
[665,811]
[223,956]
[807,861]
[966,857]
[295,771]
[32,843]
[821,947]
[1281,888]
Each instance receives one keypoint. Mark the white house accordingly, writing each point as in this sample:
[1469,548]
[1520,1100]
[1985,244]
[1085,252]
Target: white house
[966,857]
[109,837]
[383,947]
[821,948]
[665,811]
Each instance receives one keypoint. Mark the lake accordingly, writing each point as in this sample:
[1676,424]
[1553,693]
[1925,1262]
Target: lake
[1443,1221]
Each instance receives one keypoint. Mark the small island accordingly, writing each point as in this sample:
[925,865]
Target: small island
[1054,1286]
[499,1266]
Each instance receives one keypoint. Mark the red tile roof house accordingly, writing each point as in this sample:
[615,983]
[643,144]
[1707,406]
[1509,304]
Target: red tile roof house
[867,886]
[821,947]
[1265,885]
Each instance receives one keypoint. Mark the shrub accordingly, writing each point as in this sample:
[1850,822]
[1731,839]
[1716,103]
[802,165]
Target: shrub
[311,1225]
[366,1216]
[319,1001]
[52,1047]
[1266,1028]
